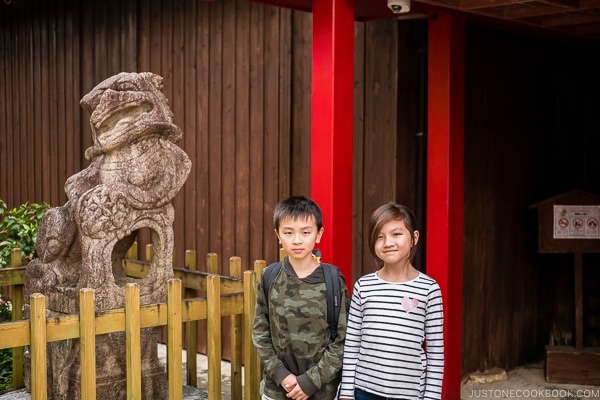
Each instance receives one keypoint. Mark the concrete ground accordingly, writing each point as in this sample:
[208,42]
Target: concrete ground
[523,383]
[191,393]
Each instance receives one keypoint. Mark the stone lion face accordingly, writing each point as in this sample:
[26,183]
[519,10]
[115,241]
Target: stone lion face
[126,108]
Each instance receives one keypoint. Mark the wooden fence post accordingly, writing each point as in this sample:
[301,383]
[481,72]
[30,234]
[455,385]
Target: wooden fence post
[259,266]
[133,341]
[212,263]
[39,379]
[132,252]
[87,343]
[213,332]
[191,328]
[174,331]
[16,260]
[235,270]
[252,375]
[149,252]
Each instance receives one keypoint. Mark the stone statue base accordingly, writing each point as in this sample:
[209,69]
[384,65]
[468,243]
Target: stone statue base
[111,382]
[64,374]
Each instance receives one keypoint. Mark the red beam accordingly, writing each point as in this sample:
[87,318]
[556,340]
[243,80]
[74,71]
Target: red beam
[332,127]
[445,183]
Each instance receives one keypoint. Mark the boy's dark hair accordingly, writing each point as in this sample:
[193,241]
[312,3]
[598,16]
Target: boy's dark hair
[296,207]
[386,213]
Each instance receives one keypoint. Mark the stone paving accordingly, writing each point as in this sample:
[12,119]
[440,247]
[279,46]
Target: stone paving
[522,383]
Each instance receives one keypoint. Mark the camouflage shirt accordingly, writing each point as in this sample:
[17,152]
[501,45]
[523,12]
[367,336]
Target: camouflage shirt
[292,335]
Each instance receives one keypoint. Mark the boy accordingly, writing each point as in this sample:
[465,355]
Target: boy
[291,332]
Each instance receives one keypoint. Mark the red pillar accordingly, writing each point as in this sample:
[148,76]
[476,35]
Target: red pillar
[332,127]
[445,183]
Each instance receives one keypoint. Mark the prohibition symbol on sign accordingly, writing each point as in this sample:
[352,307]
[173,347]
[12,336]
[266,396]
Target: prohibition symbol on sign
[576,222]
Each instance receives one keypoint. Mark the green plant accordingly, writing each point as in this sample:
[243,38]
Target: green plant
[5,354]
[5,370]
[18,228]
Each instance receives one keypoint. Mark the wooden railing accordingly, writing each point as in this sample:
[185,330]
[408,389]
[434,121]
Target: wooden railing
[232,297]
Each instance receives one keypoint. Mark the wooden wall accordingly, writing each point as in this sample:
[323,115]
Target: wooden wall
[227,69]
[389,60]
[237,75]
[530,134]
[238,78]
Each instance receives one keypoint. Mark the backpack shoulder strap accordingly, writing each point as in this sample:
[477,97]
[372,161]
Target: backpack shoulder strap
[332,285]
[268,276]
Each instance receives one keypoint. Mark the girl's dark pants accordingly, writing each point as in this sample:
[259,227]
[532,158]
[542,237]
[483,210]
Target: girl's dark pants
[362,395]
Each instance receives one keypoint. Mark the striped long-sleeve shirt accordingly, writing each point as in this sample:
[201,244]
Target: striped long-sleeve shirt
[394,340]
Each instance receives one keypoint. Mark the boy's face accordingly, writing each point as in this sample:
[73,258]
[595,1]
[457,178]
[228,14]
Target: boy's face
[299,236]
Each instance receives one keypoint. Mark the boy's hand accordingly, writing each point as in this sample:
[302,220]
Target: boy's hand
[297,393]
[289,382]
[294,391]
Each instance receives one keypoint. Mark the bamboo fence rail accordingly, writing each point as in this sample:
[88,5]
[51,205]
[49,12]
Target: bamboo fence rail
[226,296]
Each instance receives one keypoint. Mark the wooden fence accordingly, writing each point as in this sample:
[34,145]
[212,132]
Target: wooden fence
[232,297]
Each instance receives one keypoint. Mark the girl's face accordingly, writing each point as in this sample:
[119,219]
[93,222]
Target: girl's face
[394,243]
[299,236]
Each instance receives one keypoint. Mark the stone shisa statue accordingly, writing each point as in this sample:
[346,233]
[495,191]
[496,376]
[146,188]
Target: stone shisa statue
[135,172]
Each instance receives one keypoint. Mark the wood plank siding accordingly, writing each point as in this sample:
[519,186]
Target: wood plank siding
[238,78]
[528,134]
[232,71]
[227,69]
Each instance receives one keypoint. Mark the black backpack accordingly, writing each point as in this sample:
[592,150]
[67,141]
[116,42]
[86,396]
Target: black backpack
[332,284]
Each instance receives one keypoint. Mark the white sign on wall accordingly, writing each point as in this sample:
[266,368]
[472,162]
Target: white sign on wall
[576,222]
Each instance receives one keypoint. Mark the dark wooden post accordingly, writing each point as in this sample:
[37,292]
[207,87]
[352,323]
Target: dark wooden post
[578,302]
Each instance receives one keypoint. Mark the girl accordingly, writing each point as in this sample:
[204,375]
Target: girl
[394,345]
